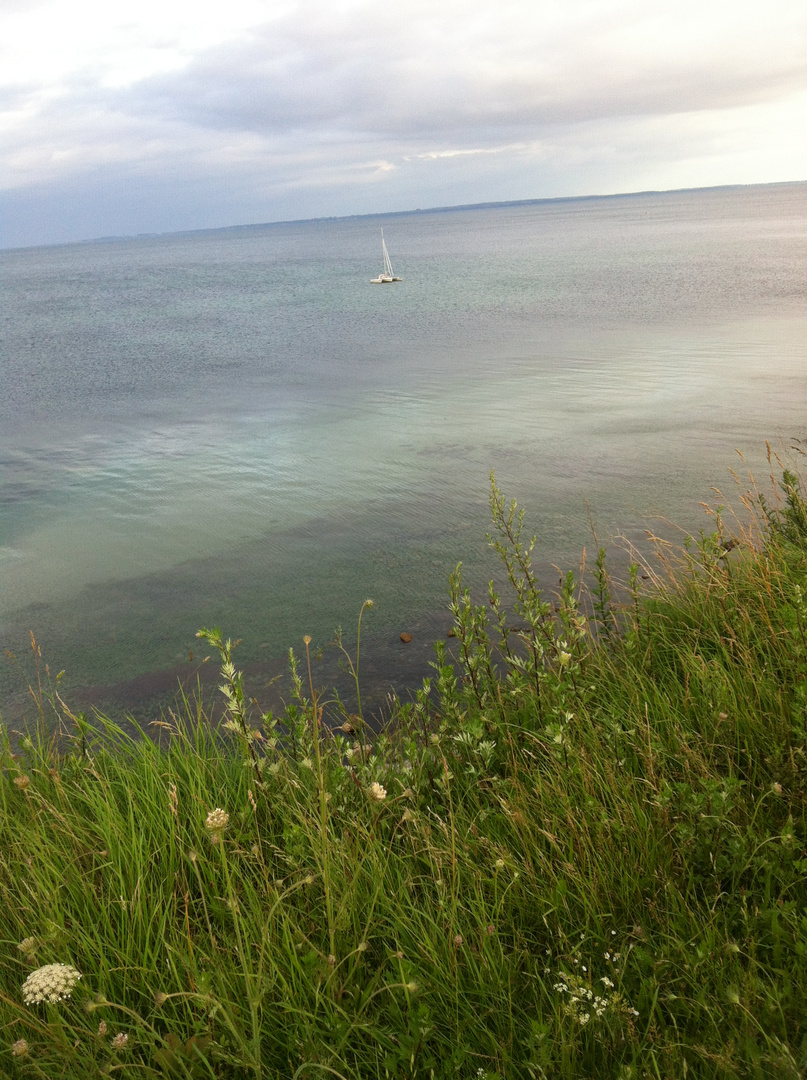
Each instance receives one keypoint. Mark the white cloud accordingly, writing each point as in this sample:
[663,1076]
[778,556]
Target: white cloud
[292,109]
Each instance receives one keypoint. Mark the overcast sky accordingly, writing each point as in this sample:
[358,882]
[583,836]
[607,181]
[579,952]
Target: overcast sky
[130,116]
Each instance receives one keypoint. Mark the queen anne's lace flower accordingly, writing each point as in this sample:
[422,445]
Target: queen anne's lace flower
[217,820]
[53,983]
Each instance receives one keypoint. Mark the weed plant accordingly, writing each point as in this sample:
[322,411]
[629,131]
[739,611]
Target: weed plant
[578,851]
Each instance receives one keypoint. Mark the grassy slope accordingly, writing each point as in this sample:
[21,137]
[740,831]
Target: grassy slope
[590,860]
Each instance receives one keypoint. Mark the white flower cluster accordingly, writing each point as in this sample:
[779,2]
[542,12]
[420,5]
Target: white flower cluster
[217,820]
[582,1001]
[376,792]
[52,983]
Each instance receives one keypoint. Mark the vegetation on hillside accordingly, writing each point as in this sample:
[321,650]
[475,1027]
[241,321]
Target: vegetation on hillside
[580,850]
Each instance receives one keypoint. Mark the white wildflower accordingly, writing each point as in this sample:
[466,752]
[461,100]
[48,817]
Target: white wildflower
[217,820]
[376,792]
[52,983]
[606,981]
[120,1040]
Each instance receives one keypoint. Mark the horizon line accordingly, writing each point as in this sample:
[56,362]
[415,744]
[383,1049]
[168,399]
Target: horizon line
[455,208]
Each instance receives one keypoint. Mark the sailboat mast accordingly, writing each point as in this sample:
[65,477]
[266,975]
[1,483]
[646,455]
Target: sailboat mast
[387,263]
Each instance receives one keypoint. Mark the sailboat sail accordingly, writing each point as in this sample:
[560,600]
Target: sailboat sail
[387,275]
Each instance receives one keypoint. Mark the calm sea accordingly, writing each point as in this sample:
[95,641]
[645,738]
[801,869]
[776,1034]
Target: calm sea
[237,428]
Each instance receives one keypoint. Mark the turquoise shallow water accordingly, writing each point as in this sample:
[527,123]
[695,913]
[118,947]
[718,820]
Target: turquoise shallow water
[237,428]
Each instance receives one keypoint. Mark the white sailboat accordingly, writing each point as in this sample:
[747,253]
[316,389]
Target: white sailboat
[386,274]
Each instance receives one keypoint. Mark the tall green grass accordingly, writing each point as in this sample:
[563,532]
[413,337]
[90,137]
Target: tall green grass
[578,851]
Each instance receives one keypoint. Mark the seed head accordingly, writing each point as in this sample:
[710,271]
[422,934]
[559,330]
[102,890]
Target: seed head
[457,940]
[22,782]
[102,1029]
[52,983]
[120,1040]
[28,946]
[160,998]
[376,792]
[19,1048]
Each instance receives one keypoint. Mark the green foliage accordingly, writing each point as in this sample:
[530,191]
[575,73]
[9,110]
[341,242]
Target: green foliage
[579,850]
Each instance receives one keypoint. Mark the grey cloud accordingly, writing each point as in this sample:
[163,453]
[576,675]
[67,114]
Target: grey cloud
[403,82]
[319,112]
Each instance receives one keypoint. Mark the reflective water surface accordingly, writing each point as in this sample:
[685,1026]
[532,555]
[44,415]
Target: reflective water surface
[237,428]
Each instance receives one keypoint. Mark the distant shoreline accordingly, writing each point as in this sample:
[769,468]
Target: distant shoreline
[229,229]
